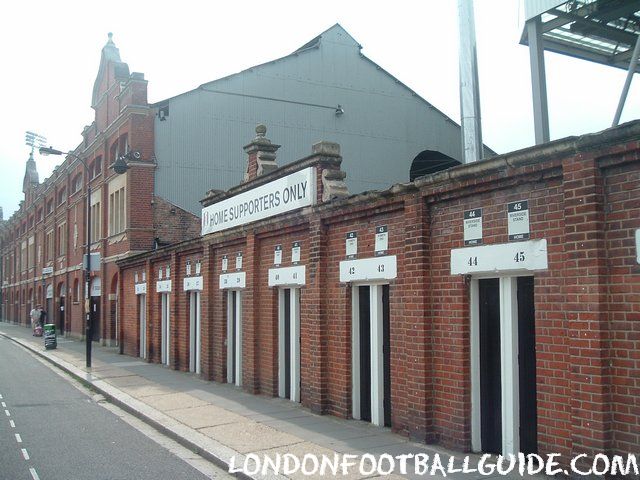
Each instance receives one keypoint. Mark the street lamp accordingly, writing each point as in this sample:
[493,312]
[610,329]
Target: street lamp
[121,168]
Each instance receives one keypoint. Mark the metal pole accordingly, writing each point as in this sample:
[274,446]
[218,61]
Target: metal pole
[538,81]
[89,322]
[469,85]
[627,83]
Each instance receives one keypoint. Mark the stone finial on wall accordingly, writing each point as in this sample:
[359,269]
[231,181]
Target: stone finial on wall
[261,155]
[333,185]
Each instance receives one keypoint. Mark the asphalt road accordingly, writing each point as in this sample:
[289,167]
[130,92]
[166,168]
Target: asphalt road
[49,429]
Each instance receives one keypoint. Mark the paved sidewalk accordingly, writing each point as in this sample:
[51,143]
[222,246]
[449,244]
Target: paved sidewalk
[220,421]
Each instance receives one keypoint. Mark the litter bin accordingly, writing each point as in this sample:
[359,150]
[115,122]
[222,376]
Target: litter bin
[50,339]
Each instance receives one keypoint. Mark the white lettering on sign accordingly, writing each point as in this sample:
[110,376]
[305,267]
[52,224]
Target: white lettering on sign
[518,220]
[506,257]
[382,240]
[163,286]
[287,276]
[351,245]
[369,269]
[282,195]
[472,226]
[239,261]
[141,288]
[47,270]
[192,283]
[233,280]
[295,253]
[225,263]
[277,255]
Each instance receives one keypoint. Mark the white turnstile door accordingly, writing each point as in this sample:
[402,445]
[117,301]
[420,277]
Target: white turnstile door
[371,358]
[234,337]
[194,332]
[142,312]
[289,343]
[165,329]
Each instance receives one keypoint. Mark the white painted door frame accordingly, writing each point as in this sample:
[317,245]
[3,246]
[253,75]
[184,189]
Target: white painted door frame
[234,338]
[377,356]
[294,343]
[165,329]
[142,309]
[194,331]
[509,374]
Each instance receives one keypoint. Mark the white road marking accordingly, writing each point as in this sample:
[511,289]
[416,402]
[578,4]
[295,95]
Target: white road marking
[4,405]
[7,413]
[12,423]
[1,397]
[34,474]
[18,438]
[25,454]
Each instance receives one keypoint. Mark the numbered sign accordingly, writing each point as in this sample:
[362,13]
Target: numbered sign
[277,255]
[295,253]
[351,245]
[382,240]
[239,261]
[287,276]
[163,286]
[233,280]
[225,263]
[502,258]
[193,283]
[368,269]
[473,226]
[518,220]
[141,288]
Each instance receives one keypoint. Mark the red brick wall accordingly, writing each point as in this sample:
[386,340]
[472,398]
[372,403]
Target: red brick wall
[622,217]
[172,224]
[583,199]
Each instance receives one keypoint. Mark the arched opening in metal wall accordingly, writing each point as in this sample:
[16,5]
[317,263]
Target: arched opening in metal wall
[430,161]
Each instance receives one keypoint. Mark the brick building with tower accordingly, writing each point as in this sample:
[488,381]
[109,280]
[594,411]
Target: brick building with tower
[42,244]
[491,307]
[187,145]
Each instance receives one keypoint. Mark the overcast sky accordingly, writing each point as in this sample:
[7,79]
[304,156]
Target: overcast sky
[51,51]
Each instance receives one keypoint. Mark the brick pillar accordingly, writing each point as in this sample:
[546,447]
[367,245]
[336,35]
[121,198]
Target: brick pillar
[261,155]
[313,326]
[586,304]
[174,311]
[250,321]
[206,313]
[415,339]
[218,318]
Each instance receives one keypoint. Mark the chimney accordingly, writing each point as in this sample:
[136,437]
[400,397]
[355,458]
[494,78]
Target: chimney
[261,155]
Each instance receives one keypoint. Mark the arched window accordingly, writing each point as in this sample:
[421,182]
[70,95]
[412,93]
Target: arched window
[76,291]
[76,183]
[96,168]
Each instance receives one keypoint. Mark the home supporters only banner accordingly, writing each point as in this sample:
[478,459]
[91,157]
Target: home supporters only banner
[294,191]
